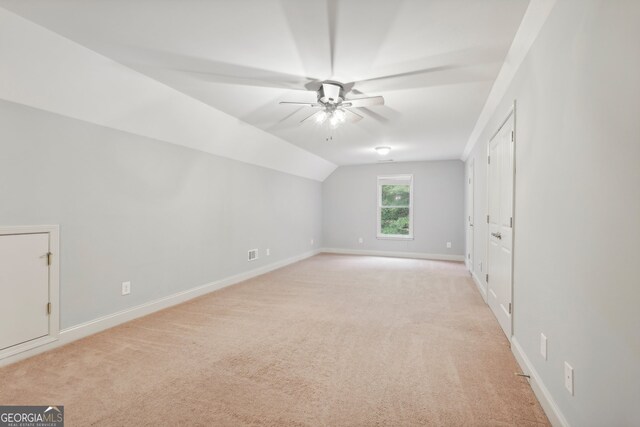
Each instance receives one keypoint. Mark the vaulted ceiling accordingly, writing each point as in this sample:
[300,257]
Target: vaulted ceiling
[434,61]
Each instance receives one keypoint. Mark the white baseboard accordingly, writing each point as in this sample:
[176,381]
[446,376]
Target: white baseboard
[91,327]
[481,288]
[550,407]
[437,257]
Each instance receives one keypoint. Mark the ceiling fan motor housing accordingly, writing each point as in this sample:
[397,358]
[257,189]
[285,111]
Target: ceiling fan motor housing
[331,94]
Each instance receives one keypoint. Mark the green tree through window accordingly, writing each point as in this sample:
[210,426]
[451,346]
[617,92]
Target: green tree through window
[395,206]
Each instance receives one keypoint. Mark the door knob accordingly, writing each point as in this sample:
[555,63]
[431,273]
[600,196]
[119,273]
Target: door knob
[497,235]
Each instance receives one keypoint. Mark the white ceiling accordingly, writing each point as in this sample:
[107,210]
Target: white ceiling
[244,56]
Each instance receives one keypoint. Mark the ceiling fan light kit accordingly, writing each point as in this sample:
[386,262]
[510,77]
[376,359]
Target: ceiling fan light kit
[333,105]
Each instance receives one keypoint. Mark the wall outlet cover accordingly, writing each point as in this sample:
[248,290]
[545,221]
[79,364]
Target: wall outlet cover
[268,251]
[568,378]
[360,240]
[448,245]
[126,288]
[543,346]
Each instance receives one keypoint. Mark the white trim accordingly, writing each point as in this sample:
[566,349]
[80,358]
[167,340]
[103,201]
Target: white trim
[400,179]
[481,288]
[91,327]
[437,257]
[532,23]
[550,407]
[510,112]
[394,236]
[28,229]
[54,287]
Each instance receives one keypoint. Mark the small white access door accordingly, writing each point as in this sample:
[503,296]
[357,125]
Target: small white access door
[500,253]
[24,288]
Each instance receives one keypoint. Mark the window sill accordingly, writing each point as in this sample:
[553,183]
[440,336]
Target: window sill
[394,237]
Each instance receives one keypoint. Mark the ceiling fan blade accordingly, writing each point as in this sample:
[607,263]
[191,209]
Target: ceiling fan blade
[284,122]
[374,115]
[410,73]
[308,104]
[209,70]
[332,16]
[308,26]
[436,76]
[352,116]
[364,102]
[312,115]
[448,61]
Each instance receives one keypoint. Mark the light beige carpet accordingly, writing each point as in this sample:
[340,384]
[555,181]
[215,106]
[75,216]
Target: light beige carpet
[330,341]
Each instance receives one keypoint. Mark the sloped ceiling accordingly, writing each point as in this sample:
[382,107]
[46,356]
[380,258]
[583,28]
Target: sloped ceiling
[434,61]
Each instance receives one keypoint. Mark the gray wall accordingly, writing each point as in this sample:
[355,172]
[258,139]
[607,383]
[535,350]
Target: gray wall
[350,202]
[577,207]
[165,217]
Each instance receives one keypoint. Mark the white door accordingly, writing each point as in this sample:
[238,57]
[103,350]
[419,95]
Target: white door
[24,288]
[500,256]
[470,204]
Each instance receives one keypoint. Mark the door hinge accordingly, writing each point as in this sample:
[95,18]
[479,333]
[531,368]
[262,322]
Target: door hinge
[489,159]
[487,219]
[487,278]
[511,222]
[49,258]
[469,256]
[509,308]
[512,137]
[48,308]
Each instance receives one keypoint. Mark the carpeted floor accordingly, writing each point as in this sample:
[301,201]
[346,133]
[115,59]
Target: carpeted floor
[330,341]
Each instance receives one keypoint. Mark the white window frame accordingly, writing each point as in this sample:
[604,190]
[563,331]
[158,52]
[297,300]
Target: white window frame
[402,179]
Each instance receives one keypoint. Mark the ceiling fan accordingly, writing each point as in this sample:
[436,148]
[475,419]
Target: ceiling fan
[334,107]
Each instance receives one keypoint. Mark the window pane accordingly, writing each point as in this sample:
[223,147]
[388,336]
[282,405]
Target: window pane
[394,221]
[395,195]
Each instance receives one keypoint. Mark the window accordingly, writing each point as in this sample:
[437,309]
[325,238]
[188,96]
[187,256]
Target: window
[395,207]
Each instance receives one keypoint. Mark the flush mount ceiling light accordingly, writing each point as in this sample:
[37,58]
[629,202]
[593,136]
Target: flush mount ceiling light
[383,151]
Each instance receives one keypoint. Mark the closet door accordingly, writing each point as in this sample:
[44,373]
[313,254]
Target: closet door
[500,253]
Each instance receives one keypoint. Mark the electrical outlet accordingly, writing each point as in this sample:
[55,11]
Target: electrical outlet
[448,245]
[312,242]
[543,346]
[126,288]
[268,252]
[360,240]
[568,378]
